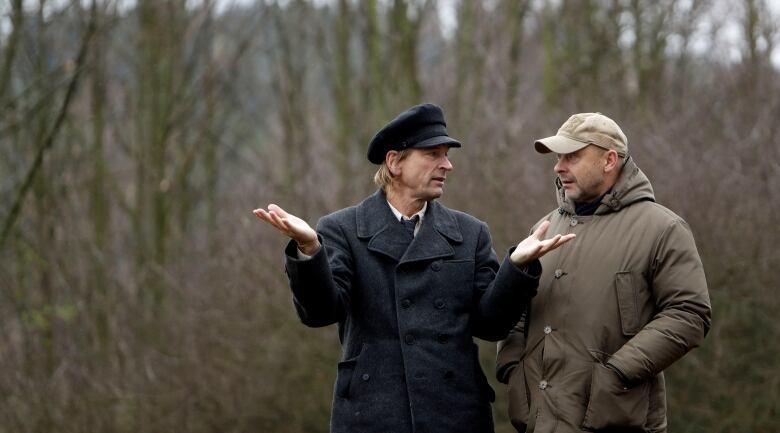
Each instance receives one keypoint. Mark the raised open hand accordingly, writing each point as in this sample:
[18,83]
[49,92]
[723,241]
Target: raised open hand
[532,247]
[292,226]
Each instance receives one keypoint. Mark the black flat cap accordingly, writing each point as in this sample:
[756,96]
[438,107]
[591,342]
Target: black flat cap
[418,127]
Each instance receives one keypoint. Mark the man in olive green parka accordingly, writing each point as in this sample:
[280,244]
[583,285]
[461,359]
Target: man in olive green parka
[613,310]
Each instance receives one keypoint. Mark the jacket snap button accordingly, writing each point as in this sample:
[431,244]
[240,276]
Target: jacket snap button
[558,273]
[409,339]
[365,377]
[547,329]
[406,303]
[436,266]
[573,222]
[439,303]
[543,384]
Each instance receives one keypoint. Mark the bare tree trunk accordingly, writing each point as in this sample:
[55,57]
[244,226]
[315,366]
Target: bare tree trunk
[468,66]
[161,27]
[100,205]
[404,48]
[17,23]
[342,96]
[514,17]
[374,98]
[651,29]
[291,88]
[211,140]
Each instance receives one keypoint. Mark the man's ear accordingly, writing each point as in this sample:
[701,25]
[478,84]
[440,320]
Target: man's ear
[393,164]
[613,161]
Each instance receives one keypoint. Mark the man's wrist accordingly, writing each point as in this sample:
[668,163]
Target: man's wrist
[309,248]
[517,260]
[618,373]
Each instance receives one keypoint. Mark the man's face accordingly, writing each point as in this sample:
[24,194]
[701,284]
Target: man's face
[424,171]
[582,173]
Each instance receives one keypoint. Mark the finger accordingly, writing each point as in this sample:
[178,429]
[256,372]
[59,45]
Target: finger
[541,230]
[567,238]
[289,220]
[267,217]
[278,210]
[279,221]
[550,244]
[562,240]
[263,215]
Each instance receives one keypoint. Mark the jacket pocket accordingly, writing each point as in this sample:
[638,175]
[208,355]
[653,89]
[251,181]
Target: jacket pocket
[519,411]
[625,290]
[458,272]
[612,405]
[345,373]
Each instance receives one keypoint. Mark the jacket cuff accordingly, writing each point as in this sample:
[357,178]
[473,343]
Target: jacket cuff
[503,372]
[514,283]
[294,263]
[614,365]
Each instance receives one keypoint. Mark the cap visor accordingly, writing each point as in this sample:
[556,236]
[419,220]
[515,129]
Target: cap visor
[437,141]
[558,144]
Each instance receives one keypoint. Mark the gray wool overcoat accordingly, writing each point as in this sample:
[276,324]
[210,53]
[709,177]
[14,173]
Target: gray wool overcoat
[407,310]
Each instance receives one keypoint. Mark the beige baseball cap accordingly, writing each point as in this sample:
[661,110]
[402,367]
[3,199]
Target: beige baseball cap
[583,129]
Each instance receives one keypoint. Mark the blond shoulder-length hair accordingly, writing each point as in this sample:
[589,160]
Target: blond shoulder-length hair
[383,177]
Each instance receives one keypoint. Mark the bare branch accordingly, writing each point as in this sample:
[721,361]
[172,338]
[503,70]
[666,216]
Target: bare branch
[47,143]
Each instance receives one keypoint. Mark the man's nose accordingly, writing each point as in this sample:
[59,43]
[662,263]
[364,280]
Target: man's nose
[559,166]
[446,164]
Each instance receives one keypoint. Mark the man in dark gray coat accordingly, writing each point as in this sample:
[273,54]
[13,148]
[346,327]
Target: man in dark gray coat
[409,282]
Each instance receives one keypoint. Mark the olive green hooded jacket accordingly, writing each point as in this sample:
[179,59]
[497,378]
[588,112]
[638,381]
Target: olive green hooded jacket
[615,307]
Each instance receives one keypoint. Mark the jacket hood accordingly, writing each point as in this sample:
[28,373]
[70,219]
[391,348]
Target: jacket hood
[632,186]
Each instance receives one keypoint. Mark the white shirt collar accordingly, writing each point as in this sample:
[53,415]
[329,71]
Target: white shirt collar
[399,215]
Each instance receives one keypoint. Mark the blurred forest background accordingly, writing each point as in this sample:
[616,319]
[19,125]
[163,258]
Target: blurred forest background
[138,293]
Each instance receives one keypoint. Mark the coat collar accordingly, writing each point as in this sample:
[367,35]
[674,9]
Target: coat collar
[387,236]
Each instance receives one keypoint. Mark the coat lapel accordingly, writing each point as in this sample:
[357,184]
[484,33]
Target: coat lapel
[376,222]
[438,229]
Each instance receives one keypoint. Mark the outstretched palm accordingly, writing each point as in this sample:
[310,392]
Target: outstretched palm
[292,226]
[532,247]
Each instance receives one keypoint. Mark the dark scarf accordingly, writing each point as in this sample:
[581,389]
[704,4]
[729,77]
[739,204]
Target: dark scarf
[589,208]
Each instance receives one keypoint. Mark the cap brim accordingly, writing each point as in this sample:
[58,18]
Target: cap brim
[437,141]
[558,144]
[376,154]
